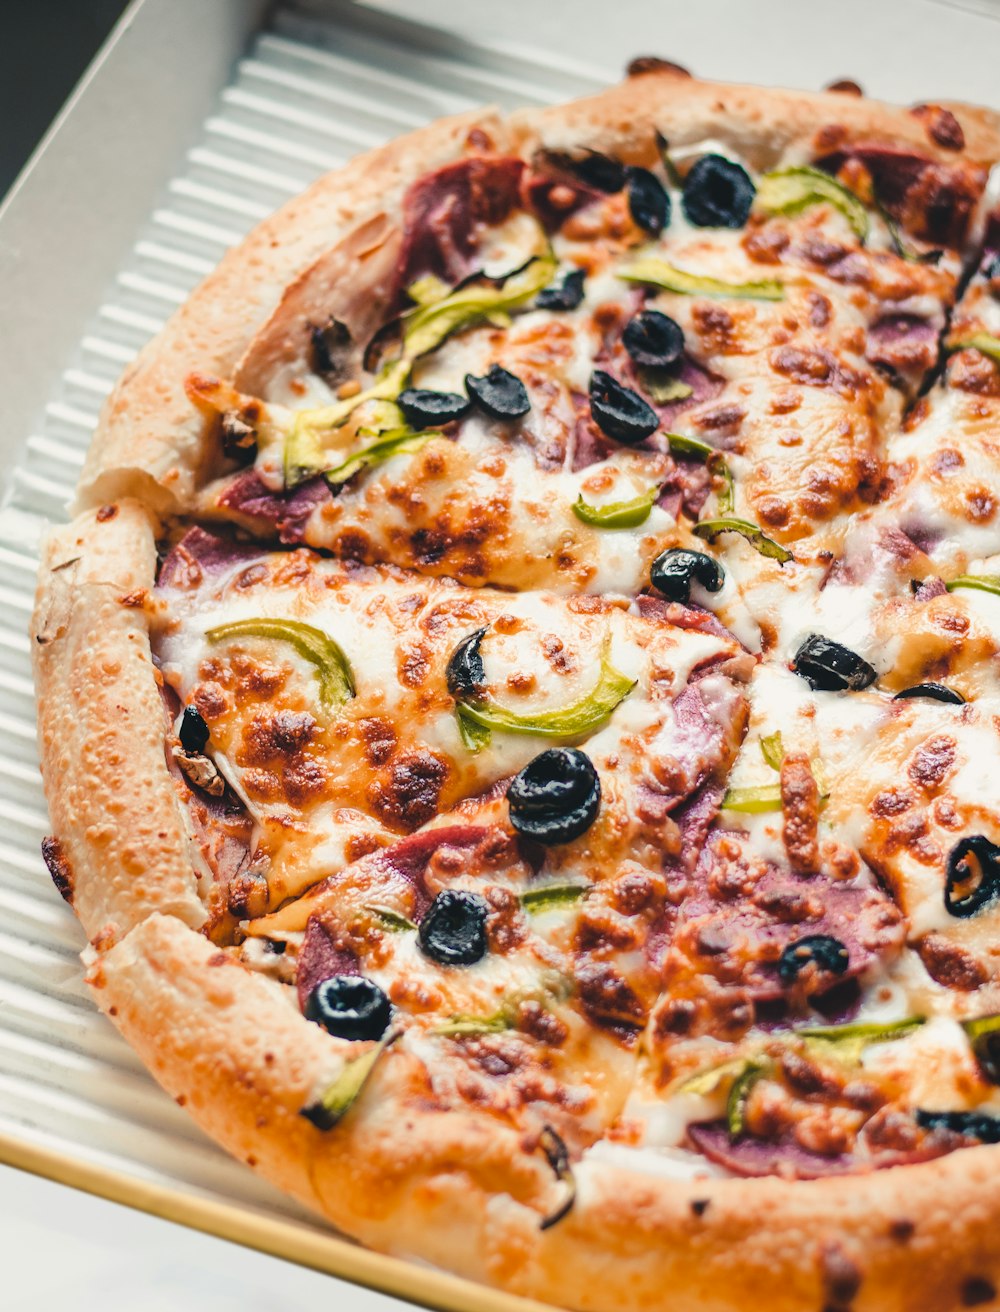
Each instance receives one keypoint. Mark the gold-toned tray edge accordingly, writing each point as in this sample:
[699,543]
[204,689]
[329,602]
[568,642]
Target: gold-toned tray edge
[326,1253]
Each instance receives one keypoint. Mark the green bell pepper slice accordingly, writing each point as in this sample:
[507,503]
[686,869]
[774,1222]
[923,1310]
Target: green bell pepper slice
[333,672]
[659,273]
[790,191]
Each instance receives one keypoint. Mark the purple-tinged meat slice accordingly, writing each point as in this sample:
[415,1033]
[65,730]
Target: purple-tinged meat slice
[444,213]
[200,557]
[741,914]
[287,512]
[321,955]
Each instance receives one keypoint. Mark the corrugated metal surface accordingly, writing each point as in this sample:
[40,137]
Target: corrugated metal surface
[308,96]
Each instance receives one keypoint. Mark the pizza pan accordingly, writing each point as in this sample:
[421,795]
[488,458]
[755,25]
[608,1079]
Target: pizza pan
[194,122]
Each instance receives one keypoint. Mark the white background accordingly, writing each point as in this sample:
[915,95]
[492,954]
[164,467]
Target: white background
[66,1251]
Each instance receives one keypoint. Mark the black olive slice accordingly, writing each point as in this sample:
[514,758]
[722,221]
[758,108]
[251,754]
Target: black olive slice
[937,692]
[673,572]
[453,930]
[653,340]
[423,409]
[973,1125]
[601,172]
[330,344]
[565,295]
[973,877]
[556,797]
[827,953]
[499,393]
[194,732]
[349,1006]
[831,667]
[985,1047]
[648,201]
[619,412]
[717,193]
[466,674]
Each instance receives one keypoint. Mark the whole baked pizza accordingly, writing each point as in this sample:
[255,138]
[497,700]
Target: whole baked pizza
[520,701]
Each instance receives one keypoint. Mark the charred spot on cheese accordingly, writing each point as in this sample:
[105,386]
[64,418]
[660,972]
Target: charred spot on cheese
[466,674]
[619,412]
[673,572]
[648,201]
[193,732]
[822,951]
[349,1007]
[453,931]
[717,193]
[408,792]
[973,876]
[556,797]
[331,345]
[564,295]
[935,692]
[499,393]
[653,340]
[424,409]
[829,666]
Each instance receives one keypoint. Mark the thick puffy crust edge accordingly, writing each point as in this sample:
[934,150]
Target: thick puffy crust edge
[150,441]
[465,1194]
[124,849]
[766,125]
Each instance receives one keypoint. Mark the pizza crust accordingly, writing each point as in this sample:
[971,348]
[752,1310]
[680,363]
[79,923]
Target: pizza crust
[766,125]
[113,804]
[465,1193]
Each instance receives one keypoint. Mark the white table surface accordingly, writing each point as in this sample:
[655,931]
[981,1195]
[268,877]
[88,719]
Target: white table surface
[61,1250]
[66,1251]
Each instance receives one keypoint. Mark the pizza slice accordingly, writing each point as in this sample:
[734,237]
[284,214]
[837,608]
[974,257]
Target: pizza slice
[555,365]
[323,709]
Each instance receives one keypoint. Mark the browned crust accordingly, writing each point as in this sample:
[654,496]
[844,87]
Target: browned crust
[764,124]
[464,1193]
[150,440]
[123,844]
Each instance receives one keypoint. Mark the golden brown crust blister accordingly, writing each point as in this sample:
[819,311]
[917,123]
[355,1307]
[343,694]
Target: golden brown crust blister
[464,1193]
[460,1191]
[101,724]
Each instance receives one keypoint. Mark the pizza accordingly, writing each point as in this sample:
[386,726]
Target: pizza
[519,703]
